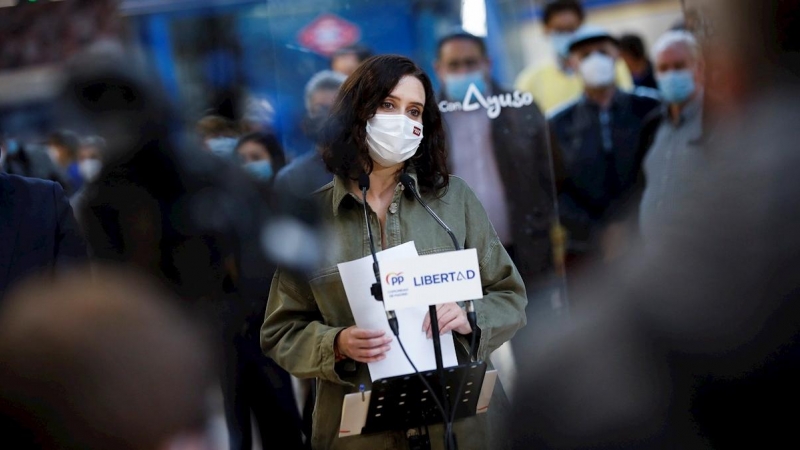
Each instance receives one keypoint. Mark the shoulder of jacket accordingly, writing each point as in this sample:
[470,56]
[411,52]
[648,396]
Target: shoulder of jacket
[29,183]
[324,190]
[562,110]
[458,187]
[643,92]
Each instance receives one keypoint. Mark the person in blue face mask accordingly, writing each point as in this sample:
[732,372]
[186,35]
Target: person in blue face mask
[503,158]
[675,160]
[261,154]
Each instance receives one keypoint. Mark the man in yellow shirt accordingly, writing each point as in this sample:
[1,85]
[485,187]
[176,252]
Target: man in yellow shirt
[553,83]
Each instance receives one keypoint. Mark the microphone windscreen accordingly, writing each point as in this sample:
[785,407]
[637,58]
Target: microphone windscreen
[363,181]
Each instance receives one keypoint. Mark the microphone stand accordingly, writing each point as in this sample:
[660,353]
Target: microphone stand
[377,292]
[451,442]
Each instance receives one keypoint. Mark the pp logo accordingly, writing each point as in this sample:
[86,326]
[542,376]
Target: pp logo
[394,279]
[417,131]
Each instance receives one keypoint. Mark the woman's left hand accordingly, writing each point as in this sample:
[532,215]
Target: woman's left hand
[451,317]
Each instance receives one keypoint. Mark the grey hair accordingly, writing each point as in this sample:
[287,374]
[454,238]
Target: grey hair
[671,38]
[324,80]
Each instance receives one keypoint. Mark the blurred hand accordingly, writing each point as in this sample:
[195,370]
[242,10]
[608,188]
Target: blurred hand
[451,318]
[363,345]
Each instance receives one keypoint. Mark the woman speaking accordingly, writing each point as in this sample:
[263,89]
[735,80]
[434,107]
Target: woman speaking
[386,123]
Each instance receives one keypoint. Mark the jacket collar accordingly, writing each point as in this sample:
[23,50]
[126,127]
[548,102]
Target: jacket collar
[692,109]
[341,191]
[617,100]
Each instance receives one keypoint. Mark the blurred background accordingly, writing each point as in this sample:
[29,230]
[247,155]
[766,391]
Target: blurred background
[240,58]
[166,122]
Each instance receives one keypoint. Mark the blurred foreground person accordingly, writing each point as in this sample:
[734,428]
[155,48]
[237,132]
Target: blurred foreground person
[38,232]
[101,362]
[696,341]
[187,218]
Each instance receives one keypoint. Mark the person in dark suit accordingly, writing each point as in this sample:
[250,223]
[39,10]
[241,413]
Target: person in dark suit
[595,141]
[189,220]
[38,232]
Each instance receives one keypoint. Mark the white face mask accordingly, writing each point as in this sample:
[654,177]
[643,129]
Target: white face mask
[89,168]
[392,138]
[597,70]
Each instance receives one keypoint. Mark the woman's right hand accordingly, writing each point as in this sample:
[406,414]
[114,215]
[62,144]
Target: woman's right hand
[363,345]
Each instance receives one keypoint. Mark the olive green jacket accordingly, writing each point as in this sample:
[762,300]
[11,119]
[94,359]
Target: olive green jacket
[304,315]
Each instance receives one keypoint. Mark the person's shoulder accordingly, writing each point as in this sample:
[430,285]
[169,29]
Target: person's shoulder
[28,183]
[646,95]
[644,101]
[324,191]
[457,189]
[533,72]
[304,159]
[563,111]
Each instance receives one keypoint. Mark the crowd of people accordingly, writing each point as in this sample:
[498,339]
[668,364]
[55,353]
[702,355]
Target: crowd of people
[597,186]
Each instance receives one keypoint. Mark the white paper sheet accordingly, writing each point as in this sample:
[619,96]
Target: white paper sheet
[357,277]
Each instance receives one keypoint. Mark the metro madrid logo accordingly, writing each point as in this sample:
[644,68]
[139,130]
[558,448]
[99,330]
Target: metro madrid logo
[394,278]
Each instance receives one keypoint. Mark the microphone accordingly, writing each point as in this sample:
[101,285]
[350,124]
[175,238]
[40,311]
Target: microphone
[472,318]
[408,183]
[375,289]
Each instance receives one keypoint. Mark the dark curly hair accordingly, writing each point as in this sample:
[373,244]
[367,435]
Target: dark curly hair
[343,138]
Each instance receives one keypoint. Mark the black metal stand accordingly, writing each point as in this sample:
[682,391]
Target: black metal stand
[403,402]
[437,350]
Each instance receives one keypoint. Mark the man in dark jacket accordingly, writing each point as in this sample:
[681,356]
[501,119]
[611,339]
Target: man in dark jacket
[498,145]
[595,141]
[38,232]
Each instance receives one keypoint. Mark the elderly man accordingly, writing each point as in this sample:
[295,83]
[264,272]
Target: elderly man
[597,153]
[675,159]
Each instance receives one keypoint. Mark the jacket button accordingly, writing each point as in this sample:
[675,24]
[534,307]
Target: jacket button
[393,208]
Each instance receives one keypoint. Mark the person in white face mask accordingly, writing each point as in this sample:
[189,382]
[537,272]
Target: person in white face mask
[90,157]
[597,144]
[385,123]
[552,81]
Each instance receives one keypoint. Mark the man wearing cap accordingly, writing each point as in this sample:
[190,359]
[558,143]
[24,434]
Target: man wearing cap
[552,82]
[597,152]
[504,159]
